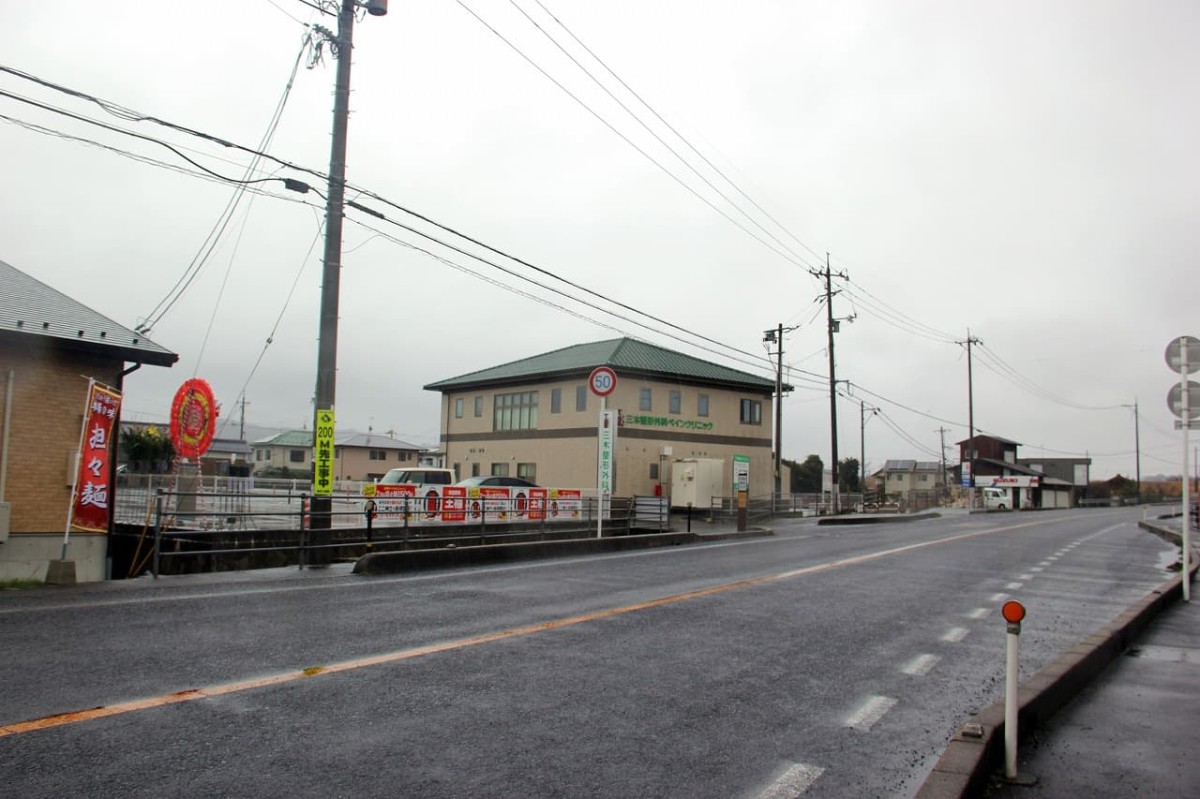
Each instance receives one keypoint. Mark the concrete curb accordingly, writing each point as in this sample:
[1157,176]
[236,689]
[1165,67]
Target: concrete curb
[447,557]
[877,519]
[968,762]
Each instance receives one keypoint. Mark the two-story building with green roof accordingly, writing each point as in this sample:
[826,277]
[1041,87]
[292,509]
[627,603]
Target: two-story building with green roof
[536,418]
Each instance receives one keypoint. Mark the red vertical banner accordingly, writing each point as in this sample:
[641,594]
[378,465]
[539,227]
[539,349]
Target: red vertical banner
[90,501]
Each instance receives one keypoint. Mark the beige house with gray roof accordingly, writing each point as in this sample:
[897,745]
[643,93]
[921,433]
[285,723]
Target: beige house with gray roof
[50,345]
[536,418]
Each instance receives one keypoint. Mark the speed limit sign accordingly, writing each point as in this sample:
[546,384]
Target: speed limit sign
[602,381]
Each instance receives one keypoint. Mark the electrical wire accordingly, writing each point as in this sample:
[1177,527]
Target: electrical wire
[671,128]
[647,127]
[993,362]
[213,238]
[781,253]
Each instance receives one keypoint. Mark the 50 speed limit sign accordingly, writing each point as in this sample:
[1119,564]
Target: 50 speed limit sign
[602,381]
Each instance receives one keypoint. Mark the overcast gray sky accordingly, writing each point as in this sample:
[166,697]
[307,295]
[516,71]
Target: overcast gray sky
[1026,170]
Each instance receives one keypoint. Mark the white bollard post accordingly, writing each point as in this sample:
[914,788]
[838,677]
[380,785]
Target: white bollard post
[1013,612]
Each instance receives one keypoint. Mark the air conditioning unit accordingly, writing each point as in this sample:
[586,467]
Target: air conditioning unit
[5,520]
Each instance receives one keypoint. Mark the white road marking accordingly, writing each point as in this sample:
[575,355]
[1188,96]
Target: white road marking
[998,597]
[792,783]
[920,665]
[1014,586]
[1052,558]
[1024,576]
[978,613]
[955,634]
[1037,568]
[870,713]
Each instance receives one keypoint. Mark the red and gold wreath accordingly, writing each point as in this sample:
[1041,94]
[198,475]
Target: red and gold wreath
[193,418]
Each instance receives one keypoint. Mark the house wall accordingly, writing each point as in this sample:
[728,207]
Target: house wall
[49,393]
[356,463]
[562,447]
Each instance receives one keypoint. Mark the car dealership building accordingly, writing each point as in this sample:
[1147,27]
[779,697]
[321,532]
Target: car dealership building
[537,418]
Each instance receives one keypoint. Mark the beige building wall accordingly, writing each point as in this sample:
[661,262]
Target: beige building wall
[356,463]
[563,445]
[49,394]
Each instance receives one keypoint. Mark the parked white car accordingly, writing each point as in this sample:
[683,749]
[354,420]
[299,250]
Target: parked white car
[996,499]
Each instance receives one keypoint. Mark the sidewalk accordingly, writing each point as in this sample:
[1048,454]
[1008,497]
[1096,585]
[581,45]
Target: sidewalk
[1133,732]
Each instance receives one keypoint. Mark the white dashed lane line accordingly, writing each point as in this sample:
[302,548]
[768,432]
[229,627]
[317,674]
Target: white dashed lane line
[1014,586]
[1024,576]
[920,665]
[955,634]
[998,597]
[792,783]
[1037,568]
[978,613]
[870,713]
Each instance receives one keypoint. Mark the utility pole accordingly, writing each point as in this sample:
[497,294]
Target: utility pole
[862,444]
[342,45]
[242,423]
[971,416]
[941,431]
[776,337]
[833,429]
[1137,450]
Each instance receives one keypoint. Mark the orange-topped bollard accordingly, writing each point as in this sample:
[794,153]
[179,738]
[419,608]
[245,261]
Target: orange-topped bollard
[1014,613]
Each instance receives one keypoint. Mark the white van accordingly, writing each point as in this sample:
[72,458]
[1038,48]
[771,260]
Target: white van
[418,475]
[996,499]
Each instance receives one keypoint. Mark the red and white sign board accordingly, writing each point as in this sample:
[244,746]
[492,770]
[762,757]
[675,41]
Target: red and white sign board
[1012,481]
[90,500]
[602,381]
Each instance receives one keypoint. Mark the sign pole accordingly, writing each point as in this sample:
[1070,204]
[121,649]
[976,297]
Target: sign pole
[600,468]
[87,407]
[1186,417]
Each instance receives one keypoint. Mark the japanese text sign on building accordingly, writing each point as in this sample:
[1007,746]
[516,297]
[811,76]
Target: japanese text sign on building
[90,501]
[323,454]
[608,443]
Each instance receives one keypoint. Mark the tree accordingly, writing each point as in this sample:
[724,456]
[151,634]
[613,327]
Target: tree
[147,449]
[848,475]
[807,476]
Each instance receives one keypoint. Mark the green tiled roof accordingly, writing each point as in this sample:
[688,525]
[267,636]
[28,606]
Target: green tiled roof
[623,355]
[288,438]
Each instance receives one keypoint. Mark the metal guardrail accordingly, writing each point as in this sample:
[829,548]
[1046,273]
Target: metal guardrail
[256,532]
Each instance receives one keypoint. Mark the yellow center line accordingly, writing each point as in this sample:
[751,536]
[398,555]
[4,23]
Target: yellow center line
[120,708]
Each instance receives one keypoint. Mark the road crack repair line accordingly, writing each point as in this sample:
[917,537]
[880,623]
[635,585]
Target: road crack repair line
[312,672]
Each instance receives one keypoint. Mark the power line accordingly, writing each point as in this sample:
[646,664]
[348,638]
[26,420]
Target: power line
[645,126]
[786,256]
[671,128]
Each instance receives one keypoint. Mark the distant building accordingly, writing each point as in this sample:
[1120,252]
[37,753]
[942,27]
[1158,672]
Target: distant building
[356,456]
[902,476]
[50,345]
[537,418]
[996,464]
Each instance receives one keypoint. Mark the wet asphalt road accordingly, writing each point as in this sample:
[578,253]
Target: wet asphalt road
[819,662]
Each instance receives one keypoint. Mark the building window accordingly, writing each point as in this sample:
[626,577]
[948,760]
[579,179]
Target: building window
[751,412]
[296,456]
[479,406]
[644,400]
[555,400]
[527,471]
[402,456]
[500,470]
[457,470]
[581,393]
[475,469]
[377,455]
[676,402]
[654,471]
[702,405]
[516,411]
[458,408]
[337,452]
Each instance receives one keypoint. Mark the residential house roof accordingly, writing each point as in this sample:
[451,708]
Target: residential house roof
[623,355]
[304,438]
[991,438]
[32,311]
